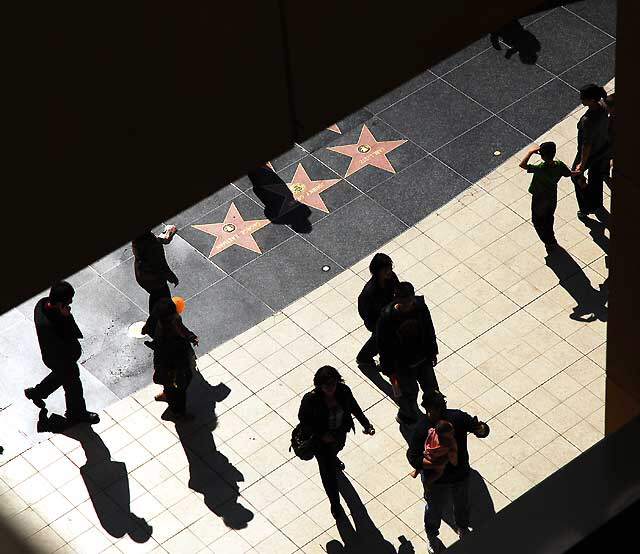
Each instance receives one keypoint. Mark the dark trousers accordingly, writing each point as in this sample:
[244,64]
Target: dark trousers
[157,294]
[542,210]
[67,377]
[327,458]
[590,198]
[436,498]
[368,351]
[176,398]
[408,379]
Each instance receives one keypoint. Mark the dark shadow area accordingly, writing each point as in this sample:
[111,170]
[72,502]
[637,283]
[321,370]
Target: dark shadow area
[482,507]
[106,480]
[380,381]
[591,302]
[210,472]
[363,535]
[597,230]
[280,207]
[519,40]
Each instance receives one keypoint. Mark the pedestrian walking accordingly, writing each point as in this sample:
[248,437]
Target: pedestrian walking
[408,348]
[455,478]
[326,413]
[593,135]
[544,189]
[376,294]
[150,265]
[174,359]
[609,103]
[59,339]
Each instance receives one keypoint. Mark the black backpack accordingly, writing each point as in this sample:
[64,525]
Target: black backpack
[304,447]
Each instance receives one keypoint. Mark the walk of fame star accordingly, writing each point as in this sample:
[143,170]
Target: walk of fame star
[334,128]
[233,230]
[307,192]
[368,151]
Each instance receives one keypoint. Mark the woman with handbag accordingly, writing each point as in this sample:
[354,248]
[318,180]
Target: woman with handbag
[326,414]
[174,359]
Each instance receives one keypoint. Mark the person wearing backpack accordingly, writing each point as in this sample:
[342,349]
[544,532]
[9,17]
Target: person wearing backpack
[326,413]
[174,359]
[408,349]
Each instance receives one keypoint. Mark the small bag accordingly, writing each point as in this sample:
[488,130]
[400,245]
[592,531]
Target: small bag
[303,447]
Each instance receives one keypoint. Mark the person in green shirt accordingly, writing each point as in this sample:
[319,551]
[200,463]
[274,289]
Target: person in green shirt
[544,189]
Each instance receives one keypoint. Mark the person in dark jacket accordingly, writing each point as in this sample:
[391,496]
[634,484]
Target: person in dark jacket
[408,349]
[150,265]
[376,294]
[173,356]
[455,479]
[59,339]
[326,413]
[593,149]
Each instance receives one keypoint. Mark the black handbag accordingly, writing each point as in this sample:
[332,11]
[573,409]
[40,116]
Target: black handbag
[304,447]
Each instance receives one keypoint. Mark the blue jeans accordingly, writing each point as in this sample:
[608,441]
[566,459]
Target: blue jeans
[436,499]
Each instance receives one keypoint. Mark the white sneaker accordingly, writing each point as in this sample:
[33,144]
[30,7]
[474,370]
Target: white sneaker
[435,545]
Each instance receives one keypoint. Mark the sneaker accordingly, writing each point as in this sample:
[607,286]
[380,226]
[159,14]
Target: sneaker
[463,532]
[30,393]
[88,417]
[435,545]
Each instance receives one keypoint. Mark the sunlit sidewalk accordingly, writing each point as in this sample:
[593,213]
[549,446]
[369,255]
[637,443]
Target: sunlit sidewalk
[509,353]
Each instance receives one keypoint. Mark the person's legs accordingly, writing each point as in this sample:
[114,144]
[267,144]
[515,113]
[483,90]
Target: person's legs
[368,351]
[74,395]
[595,186]
[461,507]
[426,377]
[177,399]
[327,465]
[435,500]
[48,385]
[157,294]
[581,193]
[407,403]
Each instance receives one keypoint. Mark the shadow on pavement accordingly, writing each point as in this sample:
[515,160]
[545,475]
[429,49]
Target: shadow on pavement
[591,302]
[362,535]
[106,480]
[210,472]
[280,207]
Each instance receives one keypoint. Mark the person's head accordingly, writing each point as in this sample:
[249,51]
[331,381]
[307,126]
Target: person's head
[591,94]
[381,266]
[609,102]
[434,403]
[548,151]
[444,429]
[326,380]
[405,297]
[61,296]
[409,331]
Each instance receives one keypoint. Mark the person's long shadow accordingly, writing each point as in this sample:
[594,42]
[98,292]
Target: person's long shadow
[363,535]
[280,206]
[210,472]
[597,231]
[591,302]
[519,40]
[482,507]
[106,480]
